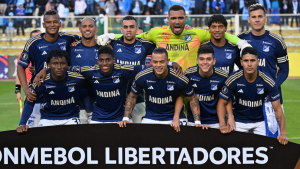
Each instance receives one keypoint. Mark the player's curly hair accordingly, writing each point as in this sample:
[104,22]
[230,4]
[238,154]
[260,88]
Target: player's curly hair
[57,53]
[176,8]
[249,50]
[160,50]
[51,12]
[206,49]
[105,50]
[255,7]
[217,19]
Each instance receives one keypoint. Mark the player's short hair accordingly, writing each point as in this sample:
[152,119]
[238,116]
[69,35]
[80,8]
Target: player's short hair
[255,7]
[217,18]
[206,49]
[176,8]
[128,17]
[105,50]
[34,31]
[249,50]
[57,53]
[51,12]
[89,18]
[160,50]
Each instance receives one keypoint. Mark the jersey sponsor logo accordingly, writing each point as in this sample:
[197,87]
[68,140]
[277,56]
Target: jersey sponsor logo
[262,62]
[194,85]
[96,81]
[224,89]
[158,100]
[266,48]
[240,84]
[214,87]
[151,81]
[61,43]
[94,77]
[228,50]
[128,62]
[78,56]
[52,92]
[41,47]
[241,91]
[151,87]
[260,90]
[50,87]
[62,102]
[228,55]
[214,81]
[195,80]
[170,87]
[171,82]
[20,61]
[119,44]
[138,50]
[71,88]
[44,53]
[171,47]
[114,93]
[118,76]
[69,84]
[63,47]
[267,43]
[247,103]
[275,97]
[247,40]
[259,85]
[24,56]
[116,80]
[188,38]
[78,50]
[206,98]
[119,50]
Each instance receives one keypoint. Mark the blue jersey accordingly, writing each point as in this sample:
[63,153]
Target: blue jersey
[109,91]
[226,56]
[132,54]
[207,91]
[272,53]
[80,56]
[249,97]
[161,94]
[60,97]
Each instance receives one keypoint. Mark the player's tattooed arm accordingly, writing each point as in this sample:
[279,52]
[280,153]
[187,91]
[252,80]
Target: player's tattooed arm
[281,122]
[194,104]
[129,104]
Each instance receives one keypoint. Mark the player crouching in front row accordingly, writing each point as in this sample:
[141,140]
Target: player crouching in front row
[162,88]
[61,92]
[250,88]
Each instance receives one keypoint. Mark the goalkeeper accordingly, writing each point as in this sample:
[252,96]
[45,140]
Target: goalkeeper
[182,44]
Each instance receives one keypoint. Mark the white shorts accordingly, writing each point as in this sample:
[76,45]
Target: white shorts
[183,122]
[213,126]
[35,116]
[138,112]
[47,122]
[85,116]
[257,128]
[271,118]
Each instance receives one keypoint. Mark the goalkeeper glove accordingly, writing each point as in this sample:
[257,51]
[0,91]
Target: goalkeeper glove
[105,39]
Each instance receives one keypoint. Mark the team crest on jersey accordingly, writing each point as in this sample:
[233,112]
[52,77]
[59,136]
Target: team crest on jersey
[266,48]
[228,55]
[71,88]
[214,87]
[188,38]
[116,80]
[63,47]
[138,50]
[260,90]
[170,87]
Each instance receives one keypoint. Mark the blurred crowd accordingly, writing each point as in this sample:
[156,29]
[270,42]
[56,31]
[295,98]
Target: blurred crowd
[69,8]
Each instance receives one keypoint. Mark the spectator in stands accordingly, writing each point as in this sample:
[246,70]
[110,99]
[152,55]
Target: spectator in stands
[127,6]
[3,23]
[150,7]
[267,5]
[80,7]
[235,7]
[244,20]
[137,7]
[70,4]
[110,8]
[159,10]
[207,8]
[20,11]
[198,11]
[144,2]
[50,5]
[3,6]
[101,3]
[10,11]
[295,10]
[60,8]
[99,11]
[29,7]
[218,6]
[120,7]
[90,7]
[285,8]
[227,6]
[275,10]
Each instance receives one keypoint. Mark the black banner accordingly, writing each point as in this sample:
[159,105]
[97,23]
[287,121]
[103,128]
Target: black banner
[141,146]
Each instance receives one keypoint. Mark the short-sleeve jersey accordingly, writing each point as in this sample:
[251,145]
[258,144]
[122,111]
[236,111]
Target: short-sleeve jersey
[207,91]
[132,54]
[226,56]
[249,97]
[182,48]
[109,91]
[27,72]
[161,94]
[80,56]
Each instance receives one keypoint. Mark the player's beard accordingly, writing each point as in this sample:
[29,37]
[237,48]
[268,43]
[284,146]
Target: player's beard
[217,39]
[131,39]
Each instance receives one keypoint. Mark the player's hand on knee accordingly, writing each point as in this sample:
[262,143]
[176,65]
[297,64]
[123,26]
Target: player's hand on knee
[177,68]
[231,123]
[282,139]
[30,96]
[22,128]
[176,125]
[225,129]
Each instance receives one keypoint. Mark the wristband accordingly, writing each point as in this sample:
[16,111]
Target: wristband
[18,89]
[198,122]
[125,119]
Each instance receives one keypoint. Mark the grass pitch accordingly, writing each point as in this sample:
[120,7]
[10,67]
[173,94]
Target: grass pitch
[10,112]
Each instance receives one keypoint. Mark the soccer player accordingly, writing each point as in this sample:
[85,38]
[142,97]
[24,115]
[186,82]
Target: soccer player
[36,50]
[182,44]
[207,82]
[60,90]
[226,53]
[85,53]
[272,55]
[250,87]
[162,88]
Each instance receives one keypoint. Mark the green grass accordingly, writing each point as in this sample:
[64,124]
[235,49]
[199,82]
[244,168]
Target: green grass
[10,113]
